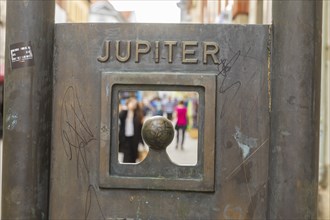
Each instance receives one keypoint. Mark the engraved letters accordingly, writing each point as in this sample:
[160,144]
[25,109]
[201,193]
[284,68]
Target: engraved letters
[142,47]
[118,52]
[106,57]
[170,45]
[186,52]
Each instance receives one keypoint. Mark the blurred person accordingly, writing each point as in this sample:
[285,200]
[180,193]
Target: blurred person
[157,105]
[169,106]
[131,120]
[181,124]
[147,108]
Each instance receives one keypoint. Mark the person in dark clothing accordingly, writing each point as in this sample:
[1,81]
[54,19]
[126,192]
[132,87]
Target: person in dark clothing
[131,120]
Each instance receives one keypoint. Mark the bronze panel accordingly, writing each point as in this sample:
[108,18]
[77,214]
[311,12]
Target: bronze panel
[241,119]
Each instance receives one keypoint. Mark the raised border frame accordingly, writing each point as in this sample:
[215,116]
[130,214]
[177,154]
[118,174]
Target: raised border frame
[205,181]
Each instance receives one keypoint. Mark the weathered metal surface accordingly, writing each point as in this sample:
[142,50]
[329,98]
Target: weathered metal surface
[82,128]
[27,109]
[295,109]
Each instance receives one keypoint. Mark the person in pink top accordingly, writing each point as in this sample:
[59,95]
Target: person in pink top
[181,124]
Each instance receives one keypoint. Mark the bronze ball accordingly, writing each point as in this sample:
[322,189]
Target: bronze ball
[157,132]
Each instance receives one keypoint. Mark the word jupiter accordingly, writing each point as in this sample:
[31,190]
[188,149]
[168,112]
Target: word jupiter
[190,52]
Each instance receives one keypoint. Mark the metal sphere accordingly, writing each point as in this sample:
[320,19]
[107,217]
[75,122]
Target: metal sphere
[157,132]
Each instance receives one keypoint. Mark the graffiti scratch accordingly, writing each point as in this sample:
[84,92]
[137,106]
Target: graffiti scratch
[247,159]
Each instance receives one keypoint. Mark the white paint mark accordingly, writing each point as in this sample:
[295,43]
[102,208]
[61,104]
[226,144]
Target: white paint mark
[244,142]
[107,90]
[285,133]
[12,121]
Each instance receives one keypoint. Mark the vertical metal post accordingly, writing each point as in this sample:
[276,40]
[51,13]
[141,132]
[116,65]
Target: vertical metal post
[27,110]
[295,83]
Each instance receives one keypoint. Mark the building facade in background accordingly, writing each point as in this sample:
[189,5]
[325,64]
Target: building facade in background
[80,11]
[226,11]
[72,11]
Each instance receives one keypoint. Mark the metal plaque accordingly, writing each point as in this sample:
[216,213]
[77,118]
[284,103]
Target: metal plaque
[227,65]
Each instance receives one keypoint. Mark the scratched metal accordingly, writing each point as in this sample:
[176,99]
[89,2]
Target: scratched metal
[27,111]
[242,123]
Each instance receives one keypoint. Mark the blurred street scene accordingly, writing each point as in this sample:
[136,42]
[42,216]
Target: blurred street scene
[165,103]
